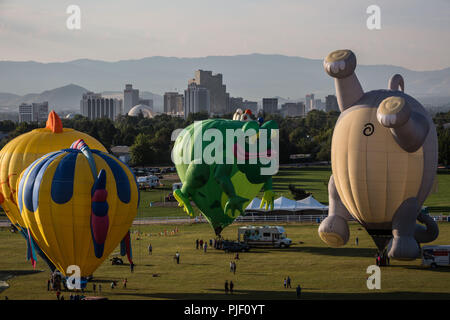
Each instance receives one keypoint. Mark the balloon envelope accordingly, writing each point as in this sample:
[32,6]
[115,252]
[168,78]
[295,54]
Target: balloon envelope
[58,202]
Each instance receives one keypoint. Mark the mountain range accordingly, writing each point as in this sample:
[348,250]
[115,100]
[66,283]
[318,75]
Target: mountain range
[252,77]
[66,98]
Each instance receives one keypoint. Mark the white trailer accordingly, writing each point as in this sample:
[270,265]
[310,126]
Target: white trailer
[264,235]
[436,256]
[148,182]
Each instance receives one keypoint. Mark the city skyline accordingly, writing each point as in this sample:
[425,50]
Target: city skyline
[114,32]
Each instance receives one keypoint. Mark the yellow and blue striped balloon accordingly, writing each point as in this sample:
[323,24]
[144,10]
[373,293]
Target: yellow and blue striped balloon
[75,216]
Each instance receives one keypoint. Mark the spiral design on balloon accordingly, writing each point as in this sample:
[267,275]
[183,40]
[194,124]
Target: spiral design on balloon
[368,129]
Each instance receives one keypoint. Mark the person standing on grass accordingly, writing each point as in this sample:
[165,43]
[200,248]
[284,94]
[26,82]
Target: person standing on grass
[177,257]
[196,244]
[226,286]
[93,287]
[205,247]
[288,282]
[201,243]
[231,287]
[234,267]
[125,283]
[150,249]
[357,240]
[132,267]
[285,283]
[299,291]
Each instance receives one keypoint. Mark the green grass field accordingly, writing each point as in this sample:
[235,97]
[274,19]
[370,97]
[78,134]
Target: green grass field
[324,273]
[312,179]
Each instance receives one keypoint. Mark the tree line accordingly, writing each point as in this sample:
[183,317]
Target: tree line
[150,138]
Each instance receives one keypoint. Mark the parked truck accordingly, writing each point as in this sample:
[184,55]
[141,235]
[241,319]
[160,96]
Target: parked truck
[264,235]
[436,256]
[148,182]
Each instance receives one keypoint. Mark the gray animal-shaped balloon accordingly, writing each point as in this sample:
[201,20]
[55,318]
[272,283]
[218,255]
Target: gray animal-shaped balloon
[384,160]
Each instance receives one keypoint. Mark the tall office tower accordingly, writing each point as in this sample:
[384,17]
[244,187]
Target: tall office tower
[130,98]
[292,109]
[270,105]
[94,106]
[30,112]
[173,103]
[146,102]
[236,103]
[331,103]
[318,104]
[309,102]
[196,99]
[219,98]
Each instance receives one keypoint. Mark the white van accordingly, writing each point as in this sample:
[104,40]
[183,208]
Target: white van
[264,235]
[148,182]
[177,186]
[436,256]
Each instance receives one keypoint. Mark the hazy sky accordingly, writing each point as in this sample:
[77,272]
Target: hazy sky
[414,33]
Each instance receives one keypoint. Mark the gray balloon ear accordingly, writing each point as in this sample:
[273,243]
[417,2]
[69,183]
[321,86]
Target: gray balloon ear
[396,82]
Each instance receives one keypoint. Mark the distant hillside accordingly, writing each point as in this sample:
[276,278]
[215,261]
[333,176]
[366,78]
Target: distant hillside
[64,98]
[250,76]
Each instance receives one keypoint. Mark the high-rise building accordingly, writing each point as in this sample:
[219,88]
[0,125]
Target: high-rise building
[309,102]
[146,102]
[292,109]
[196,99]
[94,106]
[219,98]
[30,112]
[236,103]
[130,98]
[331,103]
[318,104]
[173,103]
[270,105]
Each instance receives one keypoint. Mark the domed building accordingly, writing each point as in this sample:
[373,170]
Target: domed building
[147,112]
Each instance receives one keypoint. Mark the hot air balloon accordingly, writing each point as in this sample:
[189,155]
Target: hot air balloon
[222,188]
[20,152]
[78,204]
[384,159]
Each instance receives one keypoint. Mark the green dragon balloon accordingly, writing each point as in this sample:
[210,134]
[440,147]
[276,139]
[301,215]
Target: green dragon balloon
[222,186]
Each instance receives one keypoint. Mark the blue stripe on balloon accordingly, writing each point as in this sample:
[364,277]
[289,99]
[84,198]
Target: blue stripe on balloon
[135,181]
[22,181]
[63,179]
[121,178]
[28,188]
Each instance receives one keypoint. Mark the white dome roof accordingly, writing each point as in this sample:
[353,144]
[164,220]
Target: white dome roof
[146,111]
